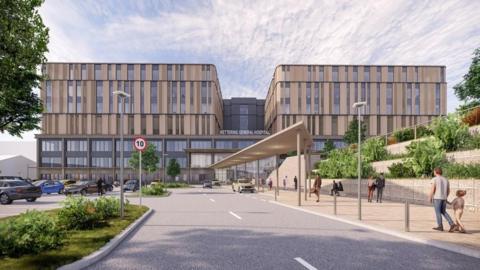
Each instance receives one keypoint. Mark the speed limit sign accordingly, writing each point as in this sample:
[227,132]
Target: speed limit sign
[140,144]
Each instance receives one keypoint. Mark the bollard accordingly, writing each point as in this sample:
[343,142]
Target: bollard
[407,216]
[335,203]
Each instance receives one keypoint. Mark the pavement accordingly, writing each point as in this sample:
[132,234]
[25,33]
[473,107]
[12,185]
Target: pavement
[218,229]
[390,215]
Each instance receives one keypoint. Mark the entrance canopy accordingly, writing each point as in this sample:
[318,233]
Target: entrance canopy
[276,144]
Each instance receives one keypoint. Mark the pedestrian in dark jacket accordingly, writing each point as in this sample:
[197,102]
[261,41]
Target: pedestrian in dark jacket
[295,182]
[100,186]
[380,185]
[335,189]
[316,187]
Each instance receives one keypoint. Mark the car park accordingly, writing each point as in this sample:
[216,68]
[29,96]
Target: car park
[50,186]
[243,185]
[11,190]
[131,185]
[82,187]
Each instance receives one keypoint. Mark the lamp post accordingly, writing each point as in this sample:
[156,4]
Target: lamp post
[164,166]
[359,105]
[122,95]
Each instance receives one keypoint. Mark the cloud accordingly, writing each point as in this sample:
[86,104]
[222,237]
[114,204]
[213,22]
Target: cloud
[247,39]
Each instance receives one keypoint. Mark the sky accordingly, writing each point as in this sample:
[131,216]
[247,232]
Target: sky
[247,39]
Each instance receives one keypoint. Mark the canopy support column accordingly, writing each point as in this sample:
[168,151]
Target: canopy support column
[276,170]
[299,178]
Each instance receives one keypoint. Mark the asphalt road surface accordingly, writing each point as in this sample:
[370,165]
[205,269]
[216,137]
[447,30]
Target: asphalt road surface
[217,229]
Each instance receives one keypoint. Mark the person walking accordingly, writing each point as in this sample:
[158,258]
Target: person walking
[335,189]
[270,183]
[458,204]
[316,187]
[100,186]
[371,188]
[379,185]
[295,182]
[285,183]
[438,196]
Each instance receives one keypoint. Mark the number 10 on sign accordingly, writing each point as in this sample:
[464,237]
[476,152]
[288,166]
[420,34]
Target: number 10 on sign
[140,145]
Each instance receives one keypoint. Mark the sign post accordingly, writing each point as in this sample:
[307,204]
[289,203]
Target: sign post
[140,145]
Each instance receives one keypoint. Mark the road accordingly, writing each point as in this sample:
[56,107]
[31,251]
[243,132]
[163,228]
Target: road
[217,229]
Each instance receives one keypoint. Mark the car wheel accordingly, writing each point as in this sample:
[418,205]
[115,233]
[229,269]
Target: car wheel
[83,192]
[31,199]
[60,191]
[4,199]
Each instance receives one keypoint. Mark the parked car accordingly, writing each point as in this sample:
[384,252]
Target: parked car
[242,185]
[207,184]
[82,187]
[131,185]
[107,187]
[68,182]
[216,183]
[50,186]
[11,190]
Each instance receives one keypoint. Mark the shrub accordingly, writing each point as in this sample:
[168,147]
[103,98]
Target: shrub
[399,170]
[472,117]
[457,170]
[154,190]
[107,207]
[29,233]
[342,163]
[176,185]
[391,140]
[423,131]
[472,142]
[79,213]
[450,131]
[424,156]
[374,150]
[403,135]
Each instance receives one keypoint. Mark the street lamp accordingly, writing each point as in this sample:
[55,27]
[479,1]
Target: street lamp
[164,166]
[122,95]
[358,105]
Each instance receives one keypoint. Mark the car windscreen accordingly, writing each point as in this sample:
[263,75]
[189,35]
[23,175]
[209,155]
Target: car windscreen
[38,183]
[17,183]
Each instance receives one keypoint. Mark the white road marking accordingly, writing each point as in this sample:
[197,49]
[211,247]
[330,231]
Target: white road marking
[212,200]
[305,263]
[235,215]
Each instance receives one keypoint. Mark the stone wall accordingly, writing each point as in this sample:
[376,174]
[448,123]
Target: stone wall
[414,190]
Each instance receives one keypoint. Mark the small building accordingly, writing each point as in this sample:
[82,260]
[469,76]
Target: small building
[17,165]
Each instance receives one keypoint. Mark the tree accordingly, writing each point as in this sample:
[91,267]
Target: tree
[451,131]
[149,160]
[373,149]
[23,44]
[468,90]
[424,156]
[351,135]
[173,168]
[329,146]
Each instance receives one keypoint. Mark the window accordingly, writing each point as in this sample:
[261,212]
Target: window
[224,144]
[192,95]
[321,74]
[118,70]
[442,74]
[142,97]
[76,145]
[153,97]
[76,161]
[99,95]
[156,125]
[309,98]
[70,97]
[201,160]
[334,125]
[349,101]
[243,122]
[127,99]
[110,96]
[173,97]
[355,74]
[299,99]
[130,72]
[285,97]
[404,74]
[70,72]
[110,72]
[143,72]
[98,71]
[101,146]
[127,146]
[101,162]
[51,145]
[437,98]
[243,109]
[379,74]
[389,98]
[417,98]
[316,101]
[181,72]
[335,73]
[157,144]
[416,74]
[390,74]
[182,96]
[84,71]
[51,162]
[336,98]
[169,72]
[243,144]
[309,73]
[366,74]
[155,73]
[79,96]
[176,146]
[201,144]
[378,99]
[409,98]
[204,97]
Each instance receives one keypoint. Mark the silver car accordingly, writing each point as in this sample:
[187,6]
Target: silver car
[11,190]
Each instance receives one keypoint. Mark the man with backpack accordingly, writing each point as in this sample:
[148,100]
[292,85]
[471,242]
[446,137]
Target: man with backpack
[380,185]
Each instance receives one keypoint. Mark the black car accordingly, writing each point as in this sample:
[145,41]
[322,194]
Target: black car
[11,190]
[131,185]
[82,187]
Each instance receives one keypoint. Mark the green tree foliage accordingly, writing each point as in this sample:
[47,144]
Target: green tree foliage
[457,170]
[468,90]
[424,156]
[23,44]
[374,150]
[450,131]
[342,163]
[351,135]
[400,170]
[149,160]
[403,135]
[173,168]
[329,146]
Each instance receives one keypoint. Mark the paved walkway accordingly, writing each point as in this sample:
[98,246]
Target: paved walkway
[390,215]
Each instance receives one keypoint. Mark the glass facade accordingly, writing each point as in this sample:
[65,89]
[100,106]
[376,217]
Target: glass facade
[70,97]
[77,162]
[77,145]
[101,146]
[48,100]
[79,96]
[51,145]
[200,144]
[98,71]
[176,146]
[99,96]
[200,160]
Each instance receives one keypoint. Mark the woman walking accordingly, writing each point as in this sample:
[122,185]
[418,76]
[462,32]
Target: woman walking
[371,188]
[316,187]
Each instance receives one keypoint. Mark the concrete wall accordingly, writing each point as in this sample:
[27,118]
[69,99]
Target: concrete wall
[414,190]
[18,166]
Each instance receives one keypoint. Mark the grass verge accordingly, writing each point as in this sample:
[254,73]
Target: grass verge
[77,244]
